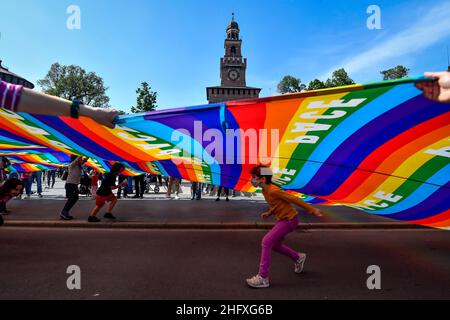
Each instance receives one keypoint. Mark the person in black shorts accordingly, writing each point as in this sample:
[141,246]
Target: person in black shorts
[105,194]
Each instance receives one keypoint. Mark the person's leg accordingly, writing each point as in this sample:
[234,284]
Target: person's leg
[125,189]
[284,249]
[194,190]
[129,185]
[219,192]
[227,193]
[199,190]
[94,192]
[137,187]
[96,210]
[119,189]
[112,204]
[28,184]
[142,182]
[177,185]
[72,197]
[274,236]
[33,178]
[99,203]
[169,187]
[39,182]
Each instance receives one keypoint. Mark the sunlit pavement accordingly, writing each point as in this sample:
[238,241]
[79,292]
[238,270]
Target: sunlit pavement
[157,210]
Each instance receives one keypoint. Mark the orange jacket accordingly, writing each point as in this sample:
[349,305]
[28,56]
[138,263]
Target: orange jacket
[280,203]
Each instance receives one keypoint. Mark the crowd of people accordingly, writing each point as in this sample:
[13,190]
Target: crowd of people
[81,179]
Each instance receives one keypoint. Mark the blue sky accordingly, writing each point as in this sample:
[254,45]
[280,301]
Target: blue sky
[176,45]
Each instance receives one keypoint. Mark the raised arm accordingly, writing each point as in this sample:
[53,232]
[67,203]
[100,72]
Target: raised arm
[19,99]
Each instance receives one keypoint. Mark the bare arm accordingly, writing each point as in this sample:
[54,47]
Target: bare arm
[39,103]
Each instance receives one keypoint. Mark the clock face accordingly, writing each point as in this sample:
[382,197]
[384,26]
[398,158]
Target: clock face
[233,75]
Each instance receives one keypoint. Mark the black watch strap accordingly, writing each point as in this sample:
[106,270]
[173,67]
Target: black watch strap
[75,109]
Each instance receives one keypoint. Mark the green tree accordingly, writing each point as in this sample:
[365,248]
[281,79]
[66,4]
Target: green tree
[316,84]
[73,82]
[397,72]
[339,78]
[146,99]
[290,84]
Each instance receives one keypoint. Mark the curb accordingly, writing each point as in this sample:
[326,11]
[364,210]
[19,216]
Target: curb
[206,225]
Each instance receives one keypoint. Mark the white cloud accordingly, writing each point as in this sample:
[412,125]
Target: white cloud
[433,27]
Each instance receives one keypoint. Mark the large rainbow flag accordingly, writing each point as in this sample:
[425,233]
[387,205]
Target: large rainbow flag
[381,147]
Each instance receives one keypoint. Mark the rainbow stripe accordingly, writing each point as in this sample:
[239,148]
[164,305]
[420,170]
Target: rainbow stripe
[380,147]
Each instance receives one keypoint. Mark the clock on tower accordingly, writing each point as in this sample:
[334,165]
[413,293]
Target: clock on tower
[232,71]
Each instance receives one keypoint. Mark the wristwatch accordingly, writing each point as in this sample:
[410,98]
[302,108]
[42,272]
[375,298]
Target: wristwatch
[75,109]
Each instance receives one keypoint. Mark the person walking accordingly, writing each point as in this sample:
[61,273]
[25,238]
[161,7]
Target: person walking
[72,182]
[105,194]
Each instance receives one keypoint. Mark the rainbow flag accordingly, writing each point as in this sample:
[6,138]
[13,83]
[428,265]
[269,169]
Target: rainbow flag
[381,147]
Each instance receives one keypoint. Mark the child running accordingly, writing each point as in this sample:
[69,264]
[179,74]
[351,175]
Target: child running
[287,221]
[105,194]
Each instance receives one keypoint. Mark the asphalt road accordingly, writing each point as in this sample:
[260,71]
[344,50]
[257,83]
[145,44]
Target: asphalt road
[171,264]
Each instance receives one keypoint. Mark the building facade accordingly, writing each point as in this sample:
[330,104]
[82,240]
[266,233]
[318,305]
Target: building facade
[10,77]
[233,69]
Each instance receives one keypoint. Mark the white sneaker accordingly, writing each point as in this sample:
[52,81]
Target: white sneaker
[298,266]
[258,282]
[177,197]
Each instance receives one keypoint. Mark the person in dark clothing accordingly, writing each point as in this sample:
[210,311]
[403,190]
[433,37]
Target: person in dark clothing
[105,194]
[139,182]
[51,175]
[219,192]
[197,188]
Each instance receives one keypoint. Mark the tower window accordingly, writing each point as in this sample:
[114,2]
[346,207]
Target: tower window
[233,51]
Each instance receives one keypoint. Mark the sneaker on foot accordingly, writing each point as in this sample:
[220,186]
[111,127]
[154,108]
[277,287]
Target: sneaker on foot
[218,199]
[65,216]
[93,219]
[109,216]
[177,197]
[298,266]
[258,282]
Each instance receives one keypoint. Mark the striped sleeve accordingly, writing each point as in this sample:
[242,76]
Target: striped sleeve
[10,95]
